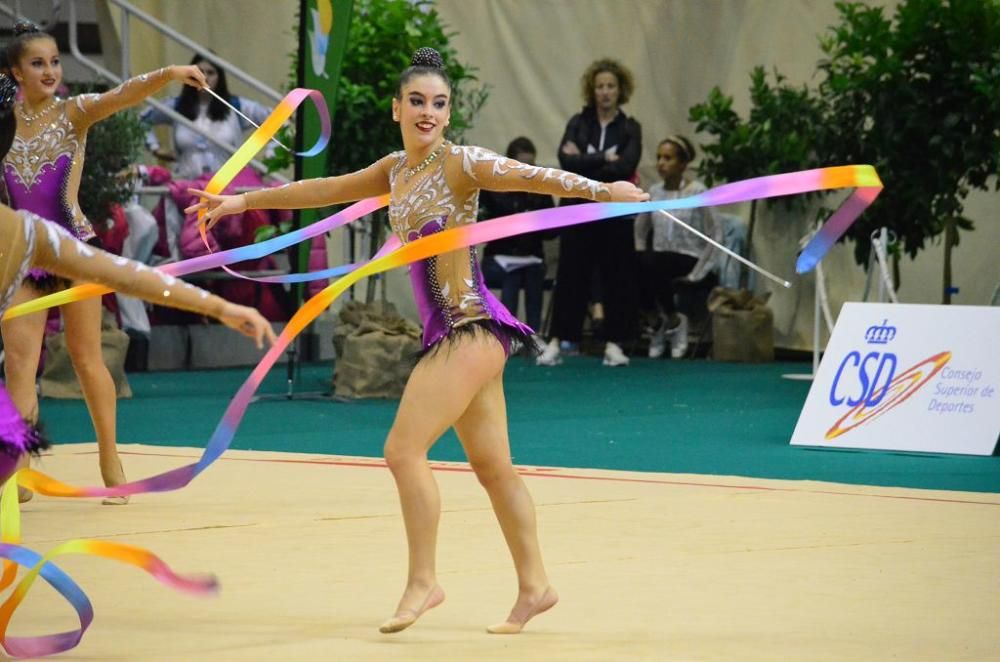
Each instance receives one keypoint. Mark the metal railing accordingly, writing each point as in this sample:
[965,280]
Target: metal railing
[17,13]
[130,10]
[127,11]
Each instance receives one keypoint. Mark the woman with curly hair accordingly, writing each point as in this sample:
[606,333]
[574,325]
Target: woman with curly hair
[600,142]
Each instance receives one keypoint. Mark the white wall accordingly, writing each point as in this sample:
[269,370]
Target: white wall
[532,53]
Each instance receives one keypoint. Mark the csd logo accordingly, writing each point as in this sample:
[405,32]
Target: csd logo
[868,384]
[883,365]
[895,392]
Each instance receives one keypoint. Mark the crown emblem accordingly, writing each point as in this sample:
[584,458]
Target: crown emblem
[880,334]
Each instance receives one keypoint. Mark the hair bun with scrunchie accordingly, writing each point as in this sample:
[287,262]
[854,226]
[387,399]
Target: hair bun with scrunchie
[427,57]
[8,92]
[25,27]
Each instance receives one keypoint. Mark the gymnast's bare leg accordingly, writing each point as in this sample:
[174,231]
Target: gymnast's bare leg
[446,388]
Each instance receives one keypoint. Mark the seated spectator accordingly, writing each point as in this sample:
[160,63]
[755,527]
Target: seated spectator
[674,253]
[518,262]
[193,154]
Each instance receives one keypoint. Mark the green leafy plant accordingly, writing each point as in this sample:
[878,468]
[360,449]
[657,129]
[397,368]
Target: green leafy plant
[113,145]
[778,136]
[918,97]
[383,36]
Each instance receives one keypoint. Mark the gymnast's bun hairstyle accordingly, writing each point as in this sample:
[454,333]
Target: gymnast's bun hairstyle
[24,32]
[25,27]
[427,57]
[424,61]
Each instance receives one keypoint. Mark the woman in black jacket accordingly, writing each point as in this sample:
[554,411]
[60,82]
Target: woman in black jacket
[604,144]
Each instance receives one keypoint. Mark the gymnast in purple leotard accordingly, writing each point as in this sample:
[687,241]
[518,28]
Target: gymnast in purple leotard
[458,382]
[42,175]
[28,241]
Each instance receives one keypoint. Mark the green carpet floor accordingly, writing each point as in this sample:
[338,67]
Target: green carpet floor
[667,416]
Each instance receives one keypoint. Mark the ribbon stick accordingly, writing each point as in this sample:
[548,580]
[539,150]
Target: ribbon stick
[779,281]
[238,112]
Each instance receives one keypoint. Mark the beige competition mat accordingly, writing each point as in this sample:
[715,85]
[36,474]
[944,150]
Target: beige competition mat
[311,556]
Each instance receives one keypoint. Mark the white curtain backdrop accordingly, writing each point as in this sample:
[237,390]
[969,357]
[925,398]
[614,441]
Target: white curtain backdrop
[532,53]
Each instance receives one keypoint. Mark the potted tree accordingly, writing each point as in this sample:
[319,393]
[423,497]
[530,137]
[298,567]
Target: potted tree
[777,136]
[918,97]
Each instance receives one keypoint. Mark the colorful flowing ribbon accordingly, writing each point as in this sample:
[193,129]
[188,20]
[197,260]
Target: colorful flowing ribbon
[41,566]
[10,522]
[862,178]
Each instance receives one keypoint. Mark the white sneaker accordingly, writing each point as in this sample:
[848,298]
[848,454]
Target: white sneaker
[614,356]
[658,340]
[679,338]
[657,344]
[550,354]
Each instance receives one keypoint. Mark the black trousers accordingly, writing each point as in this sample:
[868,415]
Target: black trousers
[658,269]
[609,248]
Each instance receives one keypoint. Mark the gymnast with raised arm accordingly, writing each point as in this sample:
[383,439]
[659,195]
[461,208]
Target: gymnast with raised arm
[468,335]
[28,242]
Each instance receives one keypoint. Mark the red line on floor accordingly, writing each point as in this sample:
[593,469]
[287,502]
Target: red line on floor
[555,472]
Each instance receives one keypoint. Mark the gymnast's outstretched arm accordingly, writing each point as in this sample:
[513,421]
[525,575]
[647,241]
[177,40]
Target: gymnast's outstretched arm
[55,250]
[484,169]
[86,110]
[307,194]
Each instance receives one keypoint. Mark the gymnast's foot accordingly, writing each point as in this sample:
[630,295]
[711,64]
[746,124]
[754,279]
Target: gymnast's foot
[114,475]
[24,495]
[407,615]
[529,604]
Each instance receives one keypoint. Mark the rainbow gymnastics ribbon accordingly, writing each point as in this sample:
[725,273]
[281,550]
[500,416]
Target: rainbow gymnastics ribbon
[10,521]
[862,178]
[41,566]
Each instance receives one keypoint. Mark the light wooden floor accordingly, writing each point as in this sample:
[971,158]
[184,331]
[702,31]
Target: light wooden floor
[310,553]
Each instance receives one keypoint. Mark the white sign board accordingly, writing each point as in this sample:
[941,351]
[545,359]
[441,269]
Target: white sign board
[907,378]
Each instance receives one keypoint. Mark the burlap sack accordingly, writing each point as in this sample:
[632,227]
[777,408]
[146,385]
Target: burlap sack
[742,326]
[59,379]
[375,351]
